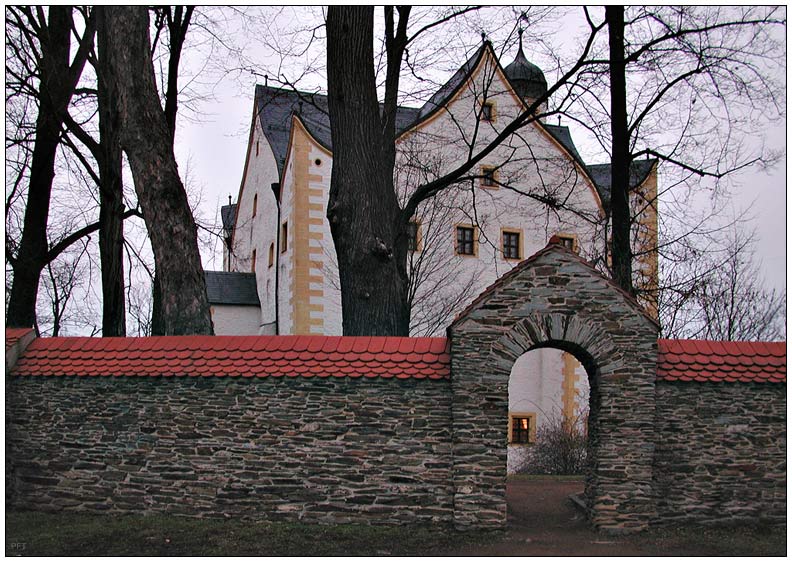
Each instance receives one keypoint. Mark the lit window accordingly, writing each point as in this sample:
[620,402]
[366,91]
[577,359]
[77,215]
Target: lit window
[522,428]
[465,245]
[488,177]
[412,237]
[488,111]
[284,237]
[511,245]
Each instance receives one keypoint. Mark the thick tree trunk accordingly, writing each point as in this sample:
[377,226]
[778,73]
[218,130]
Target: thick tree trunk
[111,200]
[363,211]
[146,140]
[621,254]
[57,82]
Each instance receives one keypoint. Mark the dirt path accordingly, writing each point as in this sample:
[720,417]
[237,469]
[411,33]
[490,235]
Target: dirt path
[543,522]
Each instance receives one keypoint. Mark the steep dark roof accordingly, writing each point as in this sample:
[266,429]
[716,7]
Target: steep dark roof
[275,107]
[562,135]
[447,90]
[231,287]
[228,215]
[601,174]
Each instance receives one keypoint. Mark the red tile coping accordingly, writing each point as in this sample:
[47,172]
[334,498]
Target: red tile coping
[238,356]
[13,335]
[346,356]
[721,361]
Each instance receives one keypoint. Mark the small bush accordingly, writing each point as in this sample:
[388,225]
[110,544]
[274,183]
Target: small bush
[560,448]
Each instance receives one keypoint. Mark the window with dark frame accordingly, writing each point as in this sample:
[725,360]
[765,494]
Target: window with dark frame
[567,241]
[521,430]
[488,177]
[412,236]
[511,245]
[488,111]
[465,245]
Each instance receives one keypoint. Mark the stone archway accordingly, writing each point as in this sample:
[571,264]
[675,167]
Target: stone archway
[556,299]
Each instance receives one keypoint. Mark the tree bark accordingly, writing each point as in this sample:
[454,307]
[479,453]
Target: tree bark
[621,254]
[57,83]
[365,218]
[146,140]
[111,198]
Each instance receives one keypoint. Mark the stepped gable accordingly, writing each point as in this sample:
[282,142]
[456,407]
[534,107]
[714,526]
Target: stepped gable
[721,361]
[238,356]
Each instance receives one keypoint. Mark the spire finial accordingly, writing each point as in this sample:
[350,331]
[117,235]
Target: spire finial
[520,33]
[483,37]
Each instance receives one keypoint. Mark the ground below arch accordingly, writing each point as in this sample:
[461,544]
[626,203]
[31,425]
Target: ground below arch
[543,522]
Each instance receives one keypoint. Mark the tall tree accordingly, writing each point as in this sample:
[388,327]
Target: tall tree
[147,141]
[367,224]
[58,76]
[620,152]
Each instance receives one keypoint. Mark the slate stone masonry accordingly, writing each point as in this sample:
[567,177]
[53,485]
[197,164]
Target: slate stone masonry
[556,299]
[318,450]
[720,457]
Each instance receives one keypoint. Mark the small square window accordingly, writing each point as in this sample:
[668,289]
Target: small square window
[488,111]
[511,245]
[522,428]
[568,241]
[465,243]
[412,236]
[488,177]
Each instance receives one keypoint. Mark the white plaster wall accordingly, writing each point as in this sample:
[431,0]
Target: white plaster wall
[532,161]
[235,320]
[325,250]
[285,260]
[257,232]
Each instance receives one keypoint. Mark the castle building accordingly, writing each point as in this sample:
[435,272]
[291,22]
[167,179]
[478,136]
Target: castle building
[532,187]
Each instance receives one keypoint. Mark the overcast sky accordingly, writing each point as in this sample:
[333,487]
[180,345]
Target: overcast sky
[213,149]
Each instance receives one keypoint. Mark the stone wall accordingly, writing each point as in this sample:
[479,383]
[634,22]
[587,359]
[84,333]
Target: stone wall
[720,456]
[320,450]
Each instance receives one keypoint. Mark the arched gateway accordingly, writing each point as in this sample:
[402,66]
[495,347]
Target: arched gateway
[556,299]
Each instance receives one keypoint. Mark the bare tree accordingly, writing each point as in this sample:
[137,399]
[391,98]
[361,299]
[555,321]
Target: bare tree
[688,86]
[147,141]
[366,220]
[51,74]
[718,293]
